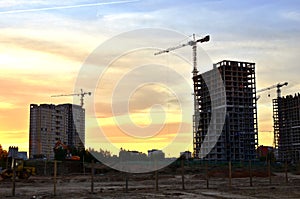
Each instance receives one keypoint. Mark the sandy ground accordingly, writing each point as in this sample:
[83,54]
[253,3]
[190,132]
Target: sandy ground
[143,186]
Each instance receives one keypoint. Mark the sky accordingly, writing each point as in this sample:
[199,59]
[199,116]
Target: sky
[45,47]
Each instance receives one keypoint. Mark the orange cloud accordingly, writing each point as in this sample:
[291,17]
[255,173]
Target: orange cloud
[177,136]
[64,49]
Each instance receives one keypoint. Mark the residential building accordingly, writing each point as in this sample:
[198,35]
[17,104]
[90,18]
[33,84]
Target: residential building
[226,97]
[50,123]
[286,114]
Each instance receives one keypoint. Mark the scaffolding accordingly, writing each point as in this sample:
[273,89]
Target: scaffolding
[239,138]
[286,115]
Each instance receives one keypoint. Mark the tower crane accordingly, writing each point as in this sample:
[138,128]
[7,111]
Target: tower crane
[192,43]
[278,86]
[81,94]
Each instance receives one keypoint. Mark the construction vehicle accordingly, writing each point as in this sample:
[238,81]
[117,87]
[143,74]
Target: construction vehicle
[68,156]
[22,171]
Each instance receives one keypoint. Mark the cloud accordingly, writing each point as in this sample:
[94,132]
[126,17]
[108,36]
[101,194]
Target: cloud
[6,105]
[167,139]
[292,15]
[52,45]
[148,95]
[20,91]
[168,131]
[57,48]
[146,98]
[61,7]
[13,134]
[17,138]
[14,3]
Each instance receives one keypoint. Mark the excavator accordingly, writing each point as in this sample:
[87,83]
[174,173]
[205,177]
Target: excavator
[69,156]
[22,171]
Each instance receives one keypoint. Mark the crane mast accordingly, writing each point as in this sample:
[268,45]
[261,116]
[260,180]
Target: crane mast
[192,43]
[194,47]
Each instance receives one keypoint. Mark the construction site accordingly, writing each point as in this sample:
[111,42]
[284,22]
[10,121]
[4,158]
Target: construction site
[225,163]
[182,179]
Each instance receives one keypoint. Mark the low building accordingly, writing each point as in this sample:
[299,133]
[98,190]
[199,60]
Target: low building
[157,154]
[131,155]
[186,154]
[22,155]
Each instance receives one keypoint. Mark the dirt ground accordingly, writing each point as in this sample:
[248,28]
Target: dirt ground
[143,186]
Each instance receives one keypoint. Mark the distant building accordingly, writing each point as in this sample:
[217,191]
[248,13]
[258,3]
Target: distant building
[50,123]
[186,154]
[238,139]
[13,152]
[22,155]
[131,155]
[154,153]
[286,114]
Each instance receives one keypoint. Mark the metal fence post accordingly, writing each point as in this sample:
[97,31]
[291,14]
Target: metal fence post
[14,177]
[207,175]
[230,174]
[54,179]
[92,177]
[182,172]
[250,172]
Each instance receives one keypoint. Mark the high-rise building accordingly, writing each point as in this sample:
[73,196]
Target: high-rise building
[52,123]
[226,97]
[286,114]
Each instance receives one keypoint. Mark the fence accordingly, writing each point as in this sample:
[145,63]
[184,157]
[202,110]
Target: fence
[206,172]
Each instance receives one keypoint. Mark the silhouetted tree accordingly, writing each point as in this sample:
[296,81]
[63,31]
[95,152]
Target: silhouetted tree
[3,156]
[3,153]
[60,154]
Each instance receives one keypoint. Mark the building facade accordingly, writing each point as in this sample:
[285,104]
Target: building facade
[286,114]
[156,154]
[228,107]
[50,123]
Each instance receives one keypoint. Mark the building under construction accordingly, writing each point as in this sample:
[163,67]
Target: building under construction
[286,114]
[228,107]
[51,123]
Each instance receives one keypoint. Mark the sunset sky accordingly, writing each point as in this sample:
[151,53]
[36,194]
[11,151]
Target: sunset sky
[45,44]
